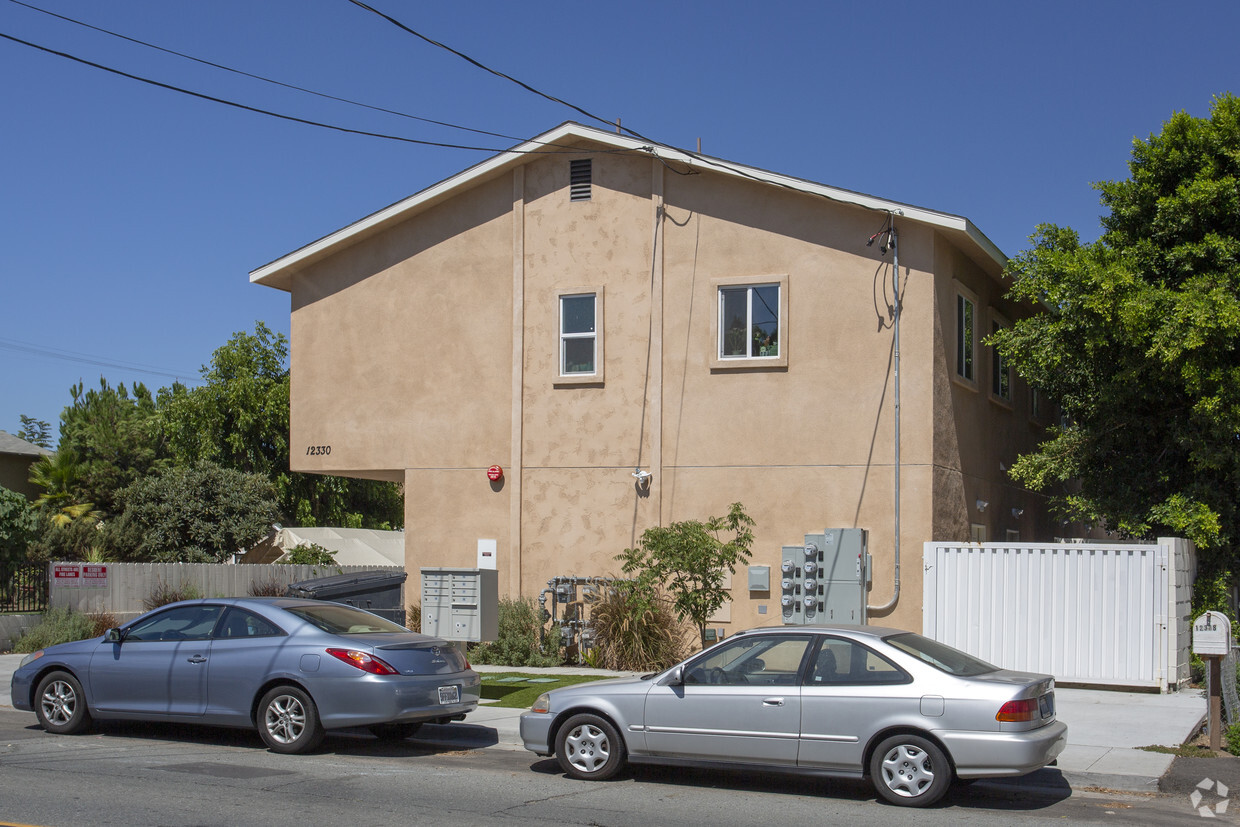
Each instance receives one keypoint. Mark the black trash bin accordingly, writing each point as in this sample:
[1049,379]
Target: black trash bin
[374,591]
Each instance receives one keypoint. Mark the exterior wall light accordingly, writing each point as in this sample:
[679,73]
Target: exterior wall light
[981,505]
[643,478]
[1016,512]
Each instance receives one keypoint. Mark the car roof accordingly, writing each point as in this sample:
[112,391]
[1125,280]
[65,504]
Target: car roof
[841,628]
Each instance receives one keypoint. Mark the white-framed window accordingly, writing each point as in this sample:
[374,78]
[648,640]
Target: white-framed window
[1000,370]
[751,322]
[1012,535]
[580,335]
[966,337]
[977,533]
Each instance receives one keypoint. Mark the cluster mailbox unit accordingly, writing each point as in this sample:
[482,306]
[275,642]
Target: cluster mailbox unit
[460,604]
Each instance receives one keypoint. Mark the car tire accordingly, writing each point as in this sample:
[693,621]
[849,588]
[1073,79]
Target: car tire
[60,704]
[394,732]
[588,747]
[288,721]
[910,771]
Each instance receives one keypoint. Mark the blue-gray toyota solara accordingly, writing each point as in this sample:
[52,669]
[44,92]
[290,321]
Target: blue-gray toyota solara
[288,667]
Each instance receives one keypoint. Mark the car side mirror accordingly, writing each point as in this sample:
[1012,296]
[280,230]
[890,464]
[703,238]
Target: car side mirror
[115,636]
[676,677]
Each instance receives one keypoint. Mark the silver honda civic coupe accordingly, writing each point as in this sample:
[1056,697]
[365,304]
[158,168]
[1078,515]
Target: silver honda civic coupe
[906,711]
[289,667]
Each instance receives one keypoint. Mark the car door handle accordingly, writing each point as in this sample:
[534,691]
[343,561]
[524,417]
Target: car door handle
[773,702]
[198,659]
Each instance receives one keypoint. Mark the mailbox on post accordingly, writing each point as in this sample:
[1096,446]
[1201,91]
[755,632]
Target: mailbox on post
[1212,641]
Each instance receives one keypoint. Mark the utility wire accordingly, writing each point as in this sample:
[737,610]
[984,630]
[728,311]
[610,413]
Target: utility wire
[71,356]
[704,159]
[265,79]
[292,118]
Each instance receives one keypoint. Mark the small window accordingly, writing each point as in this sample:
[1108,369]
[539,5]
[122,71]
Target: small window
[766,660]
[1001,372]
[977,533]
[1037,404]
[749,322]
[579,178]
[580,335]
[966,337]
[1012,535]
[238,624]
[845,662]
[182,623]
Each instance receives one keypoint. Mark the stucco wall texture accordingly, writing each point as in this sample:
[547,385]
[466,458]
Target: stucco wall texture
[428,352]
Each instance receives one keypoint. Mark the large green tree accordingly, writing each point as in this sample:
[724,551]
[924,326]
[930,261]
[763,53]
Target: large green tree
[200,513]
[1138,341]
[116,437]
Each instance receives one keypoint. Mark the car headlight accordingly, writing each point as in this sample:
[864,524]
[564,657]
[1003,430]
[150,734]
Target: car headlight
[542,703]
[31,658]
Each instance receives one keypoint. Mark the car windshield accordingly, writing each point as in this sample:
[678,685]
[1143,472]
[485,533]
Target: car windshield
[339,619]
[940,655]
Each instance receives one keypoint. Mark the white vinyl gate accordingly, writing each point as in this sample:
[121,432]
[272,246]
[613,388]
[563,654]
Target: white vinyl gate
[1087,613]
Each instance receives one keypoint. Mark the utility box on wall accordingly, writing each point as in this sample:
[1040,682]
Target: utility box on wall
[460,604]
[826,579]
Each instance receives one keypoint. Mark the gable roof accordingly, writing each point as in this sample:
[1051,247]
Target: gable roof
[278,273]
[10,444]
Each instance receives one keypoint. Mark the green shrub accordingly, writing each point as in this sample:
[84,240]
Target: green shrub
[520,624]
[58,626]
[635,631]
[268,588]
[163,594]
[1231,739]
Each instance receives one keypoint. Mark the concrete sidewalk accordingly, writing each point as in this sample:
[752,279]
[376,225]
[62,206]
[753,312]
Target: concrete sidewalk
[1105,732]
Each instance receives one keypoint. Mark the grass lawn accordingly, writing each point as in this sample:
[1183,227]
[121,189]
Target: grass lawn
[518,689]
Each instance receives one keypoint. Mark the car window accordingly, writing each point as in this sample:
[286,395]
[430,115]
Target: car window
[766,660]
[841,661]
[240,624]
[181,623]
[339,619]
[939,655]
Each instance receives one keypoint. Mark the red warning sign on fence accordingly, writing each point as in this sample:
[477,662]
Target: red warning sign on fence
[87,575]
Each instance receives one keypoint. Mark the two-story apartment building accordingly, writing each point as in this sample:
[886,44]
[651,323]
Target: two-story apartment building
[588,309]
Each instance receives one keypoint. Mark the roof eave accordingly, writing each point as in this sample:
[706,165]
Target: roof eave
[278,273]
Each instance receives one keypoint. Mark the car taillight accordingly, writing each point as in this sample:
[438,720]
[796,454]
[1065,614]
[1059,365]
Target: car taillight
[363,661]
[1018,711]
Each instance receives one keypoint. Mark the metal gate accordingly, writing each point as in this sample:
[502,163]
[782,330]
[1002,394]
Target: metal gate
[1110,615]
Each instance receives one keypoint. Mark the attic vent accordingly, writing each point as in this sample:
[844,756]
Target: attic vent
[579,180]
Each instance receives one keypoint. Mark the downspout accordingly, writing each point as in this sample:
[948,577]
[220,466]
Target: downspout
[895,287]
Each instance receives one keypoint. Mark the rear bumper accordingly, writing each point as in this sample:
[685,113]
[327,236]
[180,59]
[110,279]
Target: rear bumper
[392,700]
[999,754]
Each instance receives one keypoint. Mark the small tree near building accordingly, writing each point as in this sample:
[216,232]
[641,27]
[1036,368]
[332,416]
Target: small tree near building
[688,559]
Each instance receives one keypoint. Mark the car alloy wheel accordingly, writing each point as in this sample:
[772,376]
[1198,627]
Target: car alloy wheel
[910,771]
[289,720]
[588,747]
[61,706]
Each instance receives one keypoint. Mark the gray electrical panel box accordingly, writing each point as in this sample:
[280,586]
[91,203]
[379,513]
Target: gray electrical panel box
[460,604]
[825,580]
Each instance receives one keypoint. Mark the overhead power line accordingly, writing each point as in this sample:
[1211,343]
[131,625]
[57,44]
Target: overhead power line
[86,359]
[272,81]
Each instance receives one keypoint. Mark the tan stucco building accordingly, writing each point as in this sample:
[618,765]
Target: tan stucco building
[586,307]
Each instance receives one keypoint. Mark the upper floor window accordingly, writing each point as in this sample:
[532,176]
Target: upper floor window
[1000,371]
[581,335]
[749,322]
[966,338]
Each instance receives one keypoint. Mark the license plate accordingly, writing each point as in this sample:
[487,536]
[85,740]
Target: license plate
[449,694]
[1046,704]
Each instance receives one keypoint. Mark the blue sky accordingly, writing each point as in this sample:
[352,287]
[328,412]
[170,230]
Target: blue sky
[130,215]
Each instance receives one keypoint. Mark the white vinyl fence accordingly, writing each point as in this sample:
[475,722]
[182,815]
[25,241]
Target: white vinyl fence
[1087,613]
[121,588]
